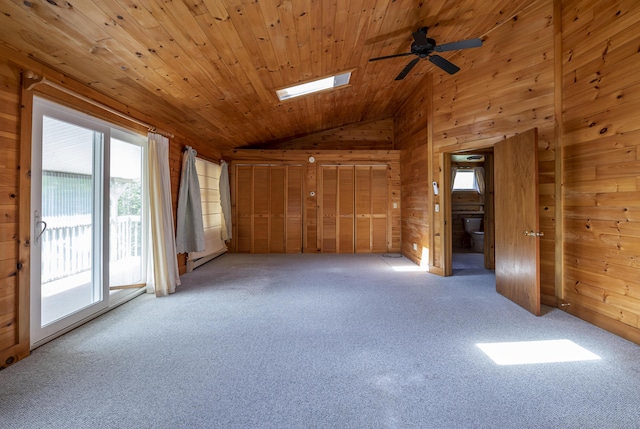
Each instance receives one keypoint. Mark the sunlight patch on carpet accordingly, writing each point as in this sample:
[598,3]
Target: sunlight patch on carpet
[531,352]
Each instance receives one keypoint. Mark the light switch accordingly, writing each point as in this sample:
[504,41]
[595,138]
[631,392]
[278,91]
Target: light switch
[437,208]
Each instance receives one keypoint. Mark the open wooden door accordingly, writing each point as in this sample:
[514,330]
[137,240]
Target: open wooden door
[516,214]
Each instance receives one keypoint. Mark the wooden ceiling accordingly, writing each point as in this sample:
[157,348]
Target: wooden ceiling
[210,68]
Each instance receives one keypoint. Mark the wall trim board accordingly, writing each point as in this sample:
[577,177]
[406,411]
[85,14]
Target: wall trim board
[602,321]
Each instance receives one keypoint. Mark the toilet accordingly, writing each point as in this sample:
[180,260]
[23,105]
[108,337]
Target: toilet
[472,226]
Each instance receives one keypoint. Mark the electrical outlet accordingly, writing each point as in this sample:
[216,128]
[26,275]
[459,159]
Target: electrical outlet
[415,246]
[437,208]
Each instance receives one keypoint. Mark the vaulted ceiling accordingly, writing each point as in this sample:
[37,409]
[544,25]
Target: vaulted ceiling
[210,68]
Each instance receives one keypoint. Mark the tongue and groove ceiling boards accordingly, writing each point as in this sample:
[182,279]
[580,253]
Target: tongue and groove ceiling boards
[210,68]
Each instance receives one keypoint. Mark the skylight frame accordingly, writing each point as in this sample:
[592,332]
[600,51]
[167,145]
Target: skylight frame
[325,84]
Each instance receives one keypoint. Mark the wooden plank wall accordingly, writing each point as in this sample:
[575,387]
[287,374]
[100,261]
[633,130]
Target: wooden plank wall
[344,167]
[370,135]
[505,87]
[515,93]
[411,134]
[10,348]
[601,101]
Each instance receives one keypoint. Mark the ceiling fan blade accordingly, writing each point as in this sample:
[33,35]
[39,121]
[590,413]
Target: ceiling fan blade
[391,56]
[444,64]
[407,68]
[454,46]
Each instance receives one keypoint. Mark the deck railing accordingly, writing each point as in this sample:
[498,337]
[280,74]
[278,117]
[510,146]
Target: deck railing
[66,244]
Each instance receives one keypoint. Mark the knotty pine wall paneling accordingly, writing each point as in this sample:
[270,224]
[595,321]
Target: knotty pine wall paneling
[13,281]
[506,87]
[410,138]
[601,149]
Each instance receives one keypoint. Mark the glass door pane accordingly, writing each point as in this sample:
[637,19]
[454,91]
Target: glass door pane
[67,201]
[126,236]
[68,251]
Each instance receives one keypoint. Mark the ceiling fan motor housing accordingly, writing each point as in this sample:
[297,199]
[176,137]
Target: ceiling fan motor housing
[423,51]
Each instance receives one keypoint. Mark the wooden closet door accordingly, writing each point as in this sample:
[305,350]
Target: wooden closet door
[294,210]
[345,209]
[244,209]
[329,208]
[261,203]
[379,209]
[269,209]
[363,209]
[371,209]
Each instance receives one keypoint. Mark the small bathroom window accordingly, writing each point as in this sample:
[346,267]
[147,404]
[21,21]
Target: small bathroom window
[468,179]
[465,180]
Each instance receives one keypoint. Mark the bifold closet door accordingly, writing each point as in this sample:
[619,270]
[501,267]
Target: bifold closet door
[353,209]
[371,209]
[337,209]
[269,209]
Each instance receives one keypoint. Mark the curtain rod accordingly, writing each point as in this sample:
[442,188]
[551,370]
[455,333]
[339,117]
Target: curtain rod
[41,79]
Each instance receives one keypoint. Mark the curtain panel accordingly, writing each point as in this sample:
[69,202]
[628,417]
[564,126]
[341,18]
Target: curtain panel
[225,201]
[190,227]
[163,264]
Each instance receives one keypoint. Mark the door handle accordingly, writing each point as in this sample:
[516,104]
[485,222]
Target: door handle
[533,234]
[37,232]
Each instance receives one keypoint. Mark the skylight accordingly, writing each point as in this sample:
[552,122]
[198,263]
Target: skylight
[314,86]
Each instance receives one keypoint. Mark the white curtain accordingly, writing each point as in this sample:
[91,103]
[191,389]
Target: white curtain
[225,201]
[190,228]
[479,182]
[163,260]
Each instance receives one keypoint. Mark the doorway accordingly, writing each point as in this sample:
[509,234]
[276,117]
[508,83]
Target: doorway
[88,220]
[471,210]
[511,219]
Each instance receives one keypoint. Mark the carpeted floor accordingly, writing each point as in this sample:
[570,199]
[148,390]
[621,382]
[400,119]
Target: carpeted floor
[320,341]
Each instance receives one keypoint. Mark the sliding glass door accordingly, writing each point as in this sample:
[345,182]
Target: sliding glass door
[88,231]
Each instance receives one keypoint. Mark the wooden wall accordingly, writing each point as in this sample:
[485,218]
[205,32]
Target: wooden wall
[411,131]
[601,104]
[505,87]
[13,344]
[369,135]
[253,215]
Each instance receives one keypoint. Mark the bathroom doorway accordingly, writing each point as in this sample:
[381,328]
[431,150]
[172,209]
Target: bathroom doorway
[470,211]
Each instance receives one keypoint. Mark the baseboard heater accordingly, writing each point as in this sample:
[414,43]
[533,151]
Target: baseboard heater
[193,263]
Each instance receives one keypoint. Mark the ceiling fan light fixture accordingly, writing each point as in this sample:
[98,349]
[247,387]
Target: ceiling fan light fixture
[314,86]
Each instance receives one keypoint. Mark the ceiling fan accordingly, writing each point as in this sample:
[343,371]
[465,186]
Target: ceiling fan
[423,47]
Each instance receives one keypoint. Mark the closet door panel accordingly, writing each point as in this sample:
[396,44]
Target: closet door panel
[379,209]
[363,192]
[277,209]
[244,208]
[379,195]
[379,235]
[294,210]
[363,235]
[329,207]
[260,209]
[345,209]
